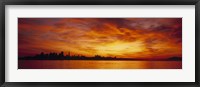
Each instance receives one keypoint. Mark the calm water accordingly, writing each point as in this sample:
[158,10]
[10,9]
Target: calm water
[91,64]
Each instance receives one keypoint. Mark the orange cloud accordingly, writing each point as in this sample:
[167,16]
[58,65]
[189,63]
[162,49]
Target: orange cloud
[120,37]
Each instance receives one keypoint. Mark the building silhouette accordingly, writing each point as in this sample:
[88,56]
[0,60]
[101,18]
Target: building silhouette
[61,56]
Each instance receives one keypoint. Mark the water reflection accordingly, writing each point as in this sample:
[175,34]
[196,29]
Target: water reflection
[91,64]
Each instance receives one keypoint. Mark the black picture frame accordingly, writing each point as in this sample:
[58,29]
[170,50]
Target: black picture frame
[98,2]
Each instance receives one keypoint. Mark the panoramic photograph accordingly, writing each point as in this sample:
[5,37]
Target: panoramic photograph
[99,43]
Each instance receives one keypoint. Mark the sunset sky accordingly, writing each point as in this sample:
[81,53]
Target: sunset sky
[120,37]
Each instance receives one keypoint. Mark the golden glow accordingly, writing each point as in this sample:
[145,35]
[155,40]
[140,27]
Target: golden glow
[119,48]
[123,38]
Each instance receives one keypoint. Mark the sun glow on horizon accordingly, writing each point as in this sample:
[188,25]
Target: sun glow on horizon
[120,37]
[120,48]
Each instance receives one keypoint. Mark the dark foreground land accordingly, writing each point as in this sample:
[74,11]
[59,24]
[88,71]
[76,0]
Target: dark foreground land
[61,56]
[55,56]
[61,61]
[120,59]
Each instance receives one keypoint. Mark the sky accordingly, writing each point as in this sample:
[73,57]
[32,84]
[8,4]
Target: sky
[120,37]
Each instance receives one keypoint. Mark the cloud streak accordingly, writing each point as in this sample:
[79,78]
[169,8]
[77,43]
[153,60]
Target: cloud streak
[121,37]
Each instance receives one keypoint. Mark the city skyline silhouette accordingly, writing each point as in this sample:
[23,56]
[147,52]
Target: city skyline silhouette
[99,43]
[61,56]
